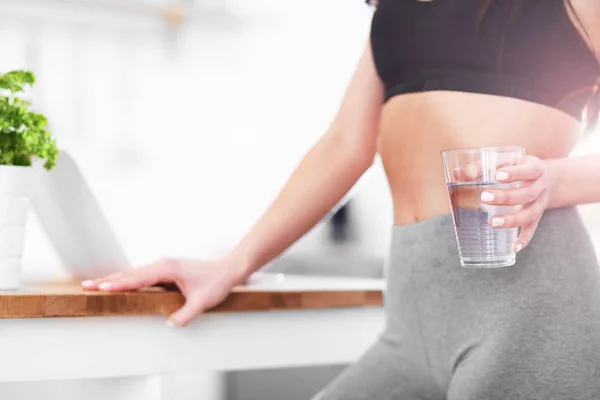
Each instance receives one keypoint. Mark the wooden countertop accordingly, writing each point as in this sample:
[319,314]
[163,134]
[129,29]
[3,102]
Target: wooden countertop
[70,300]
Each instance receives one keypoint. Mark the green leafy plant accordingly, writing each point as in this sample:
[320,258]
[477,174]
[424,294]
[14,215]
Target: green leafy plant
[23,133]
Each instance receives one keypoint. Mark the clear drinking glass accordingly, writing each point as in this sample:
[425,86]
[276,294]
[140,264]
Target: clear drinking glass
[469,172]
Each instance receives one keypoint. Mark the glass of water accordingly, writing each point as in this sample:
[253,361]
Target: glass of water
[469,172]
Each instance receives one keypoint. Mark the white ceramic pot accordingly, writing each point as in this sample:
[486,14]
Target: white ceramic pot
[14,208]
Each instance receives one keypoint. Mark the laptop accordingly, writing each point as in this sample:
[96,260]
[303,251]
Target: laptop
[74,222]
[80,232]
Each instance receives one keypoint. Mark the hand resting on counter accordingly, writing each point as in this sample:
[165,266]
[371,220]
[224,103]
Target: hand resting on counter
[204,284]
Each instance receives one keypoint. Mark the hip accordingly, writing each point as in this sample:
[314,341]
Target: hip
[424,264]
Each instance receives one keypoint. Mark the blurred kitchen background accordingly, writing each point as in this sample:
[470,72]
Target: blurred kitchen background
[188,116]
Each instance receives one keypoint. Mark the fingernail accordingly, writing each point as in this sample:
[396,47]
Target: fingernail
[498,221]
[456,173]
[519,247]
[171,323]
[501,176]
[104,286]
[487,196]
[472,170]
[87,283]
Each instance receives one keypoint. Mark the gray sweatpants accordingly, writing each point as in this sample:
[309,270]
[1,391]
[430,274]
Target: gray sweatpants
[531,331]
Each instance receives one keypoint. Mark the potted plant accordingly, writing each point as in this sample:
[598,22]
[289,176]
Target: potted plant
[23,139]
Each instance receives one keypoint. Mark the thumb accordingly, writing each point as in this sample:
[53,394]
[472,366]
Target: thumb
[186,313]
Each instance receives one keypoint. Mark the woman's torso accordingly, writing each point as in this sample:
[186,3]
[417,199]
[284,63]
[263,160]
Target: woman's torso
[417,124]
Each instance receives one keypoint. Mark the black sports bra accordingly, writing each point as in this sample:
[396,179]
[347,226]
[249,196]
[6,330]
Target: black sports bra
[536,55]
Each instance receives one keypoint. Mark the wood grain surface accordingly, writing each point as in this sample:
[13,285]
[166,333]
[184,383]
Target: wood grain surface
[70,300]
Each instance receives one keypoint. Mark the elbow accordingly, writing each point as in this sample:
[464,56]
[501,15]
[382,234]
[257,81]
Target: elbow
[360,150]
[366,156]
[362,153]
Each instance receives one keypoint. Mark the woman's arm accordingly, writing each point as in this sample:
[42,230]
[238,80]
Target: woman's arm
[325,174]
[321,180]
[574,181]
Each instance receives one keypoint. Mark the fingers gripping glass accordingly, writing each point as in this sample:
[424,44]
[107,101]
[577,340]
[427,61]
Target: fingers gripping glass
[469,172]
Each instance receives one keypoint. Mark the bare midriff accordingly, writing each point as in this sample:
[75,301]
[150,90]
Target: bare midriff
[415,128]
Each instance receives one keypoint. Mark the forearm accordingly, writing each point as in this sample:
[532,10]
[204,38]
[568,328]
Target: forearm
[575,181]
[320,181]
